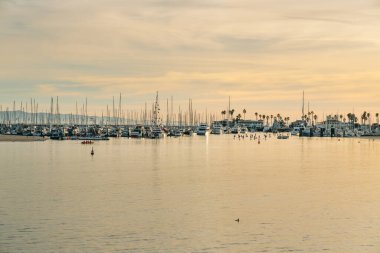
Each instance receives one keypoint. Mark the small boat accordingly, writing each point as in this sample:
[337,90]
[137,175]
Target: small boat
[235,130]
[188,132]
[175,133]
[243,130]
[87,142]
[295,131]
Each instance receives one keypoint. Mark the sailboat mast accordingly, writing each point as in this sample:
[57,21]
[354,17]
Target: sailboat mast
[303,104]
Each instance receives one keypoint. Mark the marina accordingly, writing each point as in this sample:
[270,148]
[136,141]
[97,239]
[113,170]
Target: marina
[86,127]
[97,132]
[196,126]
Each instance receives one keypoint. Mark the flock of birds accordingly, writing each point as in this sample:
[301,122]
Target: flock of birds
[251,137]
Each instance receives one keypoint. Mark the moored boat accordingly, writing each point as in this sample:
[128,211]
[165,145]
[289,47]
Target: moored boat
[202,129]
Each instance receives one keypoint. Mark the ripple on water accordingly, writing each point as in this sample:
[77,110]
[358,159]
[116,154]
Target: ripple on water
[152,187]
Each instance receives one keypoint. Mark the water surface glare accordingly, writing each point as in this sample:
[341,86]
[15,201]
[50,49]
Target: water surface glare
[183,195]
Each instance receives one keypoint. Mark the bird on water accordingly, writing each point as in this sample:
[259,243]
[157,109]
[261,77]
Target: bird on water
[92,151]
[237,220]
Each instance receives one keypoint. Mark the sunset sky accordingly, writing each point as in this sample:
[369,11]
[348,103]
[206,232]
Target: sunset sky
[262,53]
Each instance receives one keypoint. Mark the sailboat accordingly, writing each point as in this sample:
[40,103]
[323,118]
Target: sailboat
[156,130]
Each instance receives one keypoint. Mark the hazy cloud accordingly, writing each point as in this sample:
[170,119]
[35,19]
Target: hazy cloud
[263,53]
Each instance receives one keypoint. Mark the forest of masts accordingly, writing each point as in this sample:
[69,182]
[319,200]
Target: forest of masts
[31,113]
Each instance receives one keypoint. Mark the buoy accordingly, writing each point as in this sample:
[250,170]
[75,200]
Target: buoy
[92,151]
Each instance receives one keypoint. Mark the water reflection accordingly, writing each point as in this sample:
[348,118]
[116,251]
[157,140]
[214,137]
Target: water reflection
[183,194]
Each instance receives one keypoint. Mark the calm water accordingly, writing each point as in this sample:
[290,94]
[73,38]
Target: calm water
[183,195]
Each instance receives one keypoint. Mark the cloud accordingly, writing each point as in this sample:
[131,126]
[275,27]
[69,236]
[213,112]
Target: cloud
[328,20]
[263,53]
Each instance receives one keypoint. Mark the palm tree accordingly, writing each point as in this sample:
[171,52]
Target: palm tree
[341,117]
[349,117]
[256,115]
[315,118]
[238,117]
[223,113]
[268,119]
[271,119]
[377,117]
[286,119]
[368,118]
[312,117]
[244,112]
[364,117]
[232,112]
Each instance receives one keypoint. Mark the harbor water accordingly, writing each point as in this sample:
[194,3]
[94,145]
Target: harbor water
[184,195]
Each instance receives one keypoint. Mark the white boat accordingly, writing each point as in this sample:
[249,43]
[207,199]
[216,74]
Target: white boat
[137,132]
[175,132]
[243,130]
[125,132]
[235,130]
[267,129]
[217,129]
[295,131]
[202,129]
[156,132]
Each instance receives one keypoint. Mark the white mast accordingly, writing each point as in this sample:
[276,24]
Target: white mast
[303,104]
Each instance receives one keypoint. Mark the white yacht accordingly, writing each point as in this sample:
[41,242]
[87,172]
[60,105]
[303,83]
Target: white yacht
[217,129]
[137,132]
[202,129]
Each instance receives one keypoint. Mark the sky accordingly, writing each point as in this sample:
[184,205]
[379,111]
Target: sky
[261,53]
